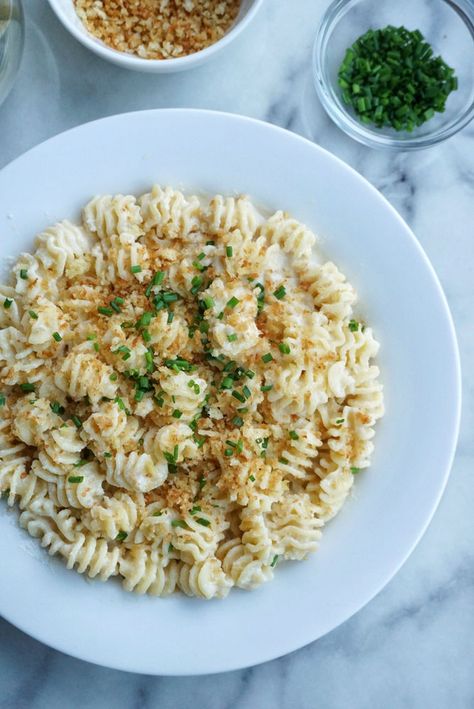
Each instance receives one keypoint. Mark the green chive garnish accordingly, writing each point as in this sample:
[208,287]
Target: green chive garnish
[353,325]
[56,407]
[232,302]
[238,421]
[232,338]
[390,77]
[267,357]
[177,414]
[354,471]
[105,311]
[7,303]
[23,274]
[27,386]
[284,348]
[274,560]
[266,387]
[293,435]
[76,421]
[121,536]
[252,478]
[75,479]
[237,395]
[136,269]
[2,400]
[57,336]
[204,522]
[179,523]
[280,292]
[229,251]
[33,315]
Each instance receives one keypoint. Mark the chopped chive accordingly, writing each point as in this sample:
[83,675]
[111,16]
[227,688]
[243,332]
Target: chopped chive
[280,292]
[177,414]
[79,463]
[228,452]
[76,421]
[354,471]
[284,348]
[220,316]
[246,391]
[266,387]
[56,407]
[136,269]
[249,374]
[252,478]
[243,410]
[232,338]
[120,403]
[227,383]
[2,400]
[33,315]
[113,377]
[75,479]
[23,274]
[57,336]
[293,435]
[194,509]
[210,243]
[157,279]
[274,560]
[267,357]
[121,536]
[340,420]
[139,394]
[204,522]
[144,320]
[284,461]
[229,251]
[146,337]
[179,523]
[238,421]
[202,481]
[126,324]
[232,302]
[237,395]
[105,311]
[231,444]
[170,297]
[27,386]
[353,325]
[115,306]
[7,303]
[208,301]
[107,454]
[96,346]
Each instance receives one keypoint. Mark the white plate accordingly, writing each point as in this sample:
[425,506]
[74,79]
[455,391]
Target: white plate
[400,295]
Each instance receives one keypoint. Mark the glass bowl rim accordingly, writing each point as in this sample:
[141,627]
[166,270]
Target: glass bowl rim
[357,130]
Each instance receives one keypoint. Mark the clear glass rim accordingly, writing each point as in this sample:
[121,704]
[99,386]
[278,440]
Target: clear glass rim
[344,120]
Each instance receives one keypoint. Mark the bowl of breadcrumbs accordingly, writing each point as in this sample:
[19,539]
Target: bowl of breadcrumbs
[155,35]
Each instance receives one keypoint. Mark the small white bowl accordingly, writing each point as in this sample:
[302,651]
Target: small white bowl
[64,10]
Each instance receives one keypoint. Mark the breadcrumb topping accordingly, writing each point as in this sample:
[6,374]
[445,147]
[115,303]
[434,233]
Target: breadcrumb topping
[158,29]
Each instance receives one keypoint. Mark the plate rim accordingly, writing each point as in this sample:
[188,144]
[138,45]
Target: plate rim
[288,646]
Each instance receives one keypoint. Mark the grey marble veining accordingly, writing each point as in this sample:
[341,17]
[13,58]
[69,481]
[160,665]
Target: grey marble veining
[412,646]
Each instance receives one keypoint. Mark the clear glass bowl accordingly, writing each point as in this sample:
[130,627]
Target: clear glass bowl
[448,25]
[11,43]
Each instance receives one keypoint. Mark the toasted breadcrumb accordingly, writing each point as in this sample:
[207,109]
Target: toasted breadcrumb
[158,29]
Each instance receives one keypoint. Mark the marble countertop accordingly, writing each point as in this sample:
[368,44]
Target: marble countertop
[412,645]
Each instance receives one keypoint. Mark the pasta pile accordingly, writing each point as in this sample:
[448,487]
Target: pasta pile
[185,395]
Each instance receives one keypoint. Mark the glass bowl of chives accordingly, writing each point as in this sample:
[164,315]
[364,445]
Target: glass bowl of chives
[397,75]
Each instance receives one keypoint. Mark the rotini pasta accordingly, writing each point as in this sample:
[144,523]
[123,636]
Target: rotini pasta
[185,393]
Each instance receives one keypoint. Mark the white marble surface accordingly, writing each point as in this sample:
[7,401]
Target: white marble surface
[411,646]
